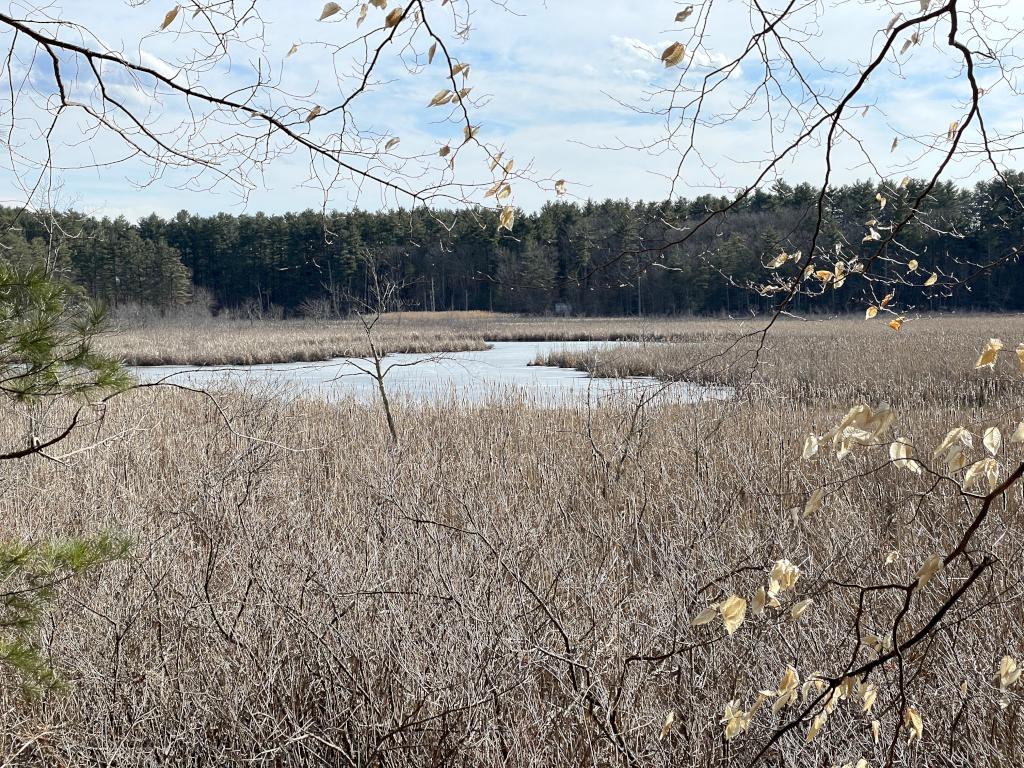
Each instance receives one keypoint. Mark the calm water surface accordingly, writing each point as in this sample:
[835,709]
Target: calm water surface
[471,376]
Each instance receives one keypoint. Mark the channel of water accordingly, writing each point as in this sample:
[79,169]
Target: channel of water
[467,376]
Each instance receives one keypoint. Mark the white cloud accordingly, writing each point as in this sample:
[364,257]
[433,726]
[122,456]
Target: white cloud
[631,49]
[557,77]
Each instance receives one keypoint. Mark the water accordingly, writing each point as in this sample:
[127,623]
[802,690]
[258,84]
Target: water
[469,376]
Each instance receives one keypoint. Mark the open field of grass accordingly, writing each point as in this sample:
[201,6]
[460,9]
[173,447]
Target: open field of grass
[512,585]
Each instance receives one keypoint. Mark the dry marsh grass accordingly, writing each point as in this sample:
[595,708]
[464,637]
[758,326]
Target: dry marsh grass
[239,342]
[837,360]
[510,585]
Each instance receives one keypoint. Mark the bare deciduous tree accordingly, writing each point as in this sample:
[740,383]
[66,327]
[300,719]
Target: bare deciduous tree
[226,100]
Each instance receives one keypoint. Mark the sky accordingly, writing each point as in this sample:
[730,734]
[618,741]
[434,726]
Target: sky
[563,87]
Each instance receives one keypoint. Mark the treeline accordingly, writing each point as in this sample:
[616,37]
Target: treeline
[593,258]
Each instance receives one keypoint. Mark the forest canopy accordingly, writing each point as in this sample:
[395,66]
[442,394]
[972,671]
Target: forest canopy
[581,258]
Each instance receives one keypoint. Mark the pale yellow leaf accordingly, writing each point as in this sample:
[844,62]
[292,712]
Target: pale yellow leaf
[1018,434]
[876,730]
[757,603]
[312,114]
[870,312]
[836,695]
[900,452]
[788,690]
[1009,672]
[931,566]
[684,14]
[912,265]
[880,421]
[442,97]
[932,279]
[292,51]
[329,10]
[912,720]
[382,4]
[816,726]
[882,200]
[560,187]
[705,617]
[507,218]
[892,557]
[840,273]
[800,608]
[955,434]
[1020,357]
[897,323]
[783,577]
[736,721]
[956,459]
[733,610]
[868,696]
[987,468]
[667,725]
[363,9]
[783,701]
[989,354]
[673,54]
[170,17]
[810,447]
[992,439]
[892,22]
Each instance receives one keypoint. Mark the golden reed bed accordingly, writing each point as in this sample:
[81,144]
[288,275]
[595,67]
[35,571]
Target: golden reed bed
[511,585]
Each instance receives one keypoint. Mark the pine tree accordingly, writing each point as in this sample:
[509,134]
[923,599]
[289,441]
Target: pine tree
[46,334]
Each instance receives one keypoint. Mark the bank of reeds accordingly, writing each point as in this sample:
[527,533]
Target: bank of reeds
[837,360]
[217,341]
[512,585]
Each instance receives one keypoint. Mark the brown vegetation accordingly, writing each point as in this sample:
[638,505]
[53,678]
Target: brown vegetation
[513,585]
[833,360]
[240,342]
